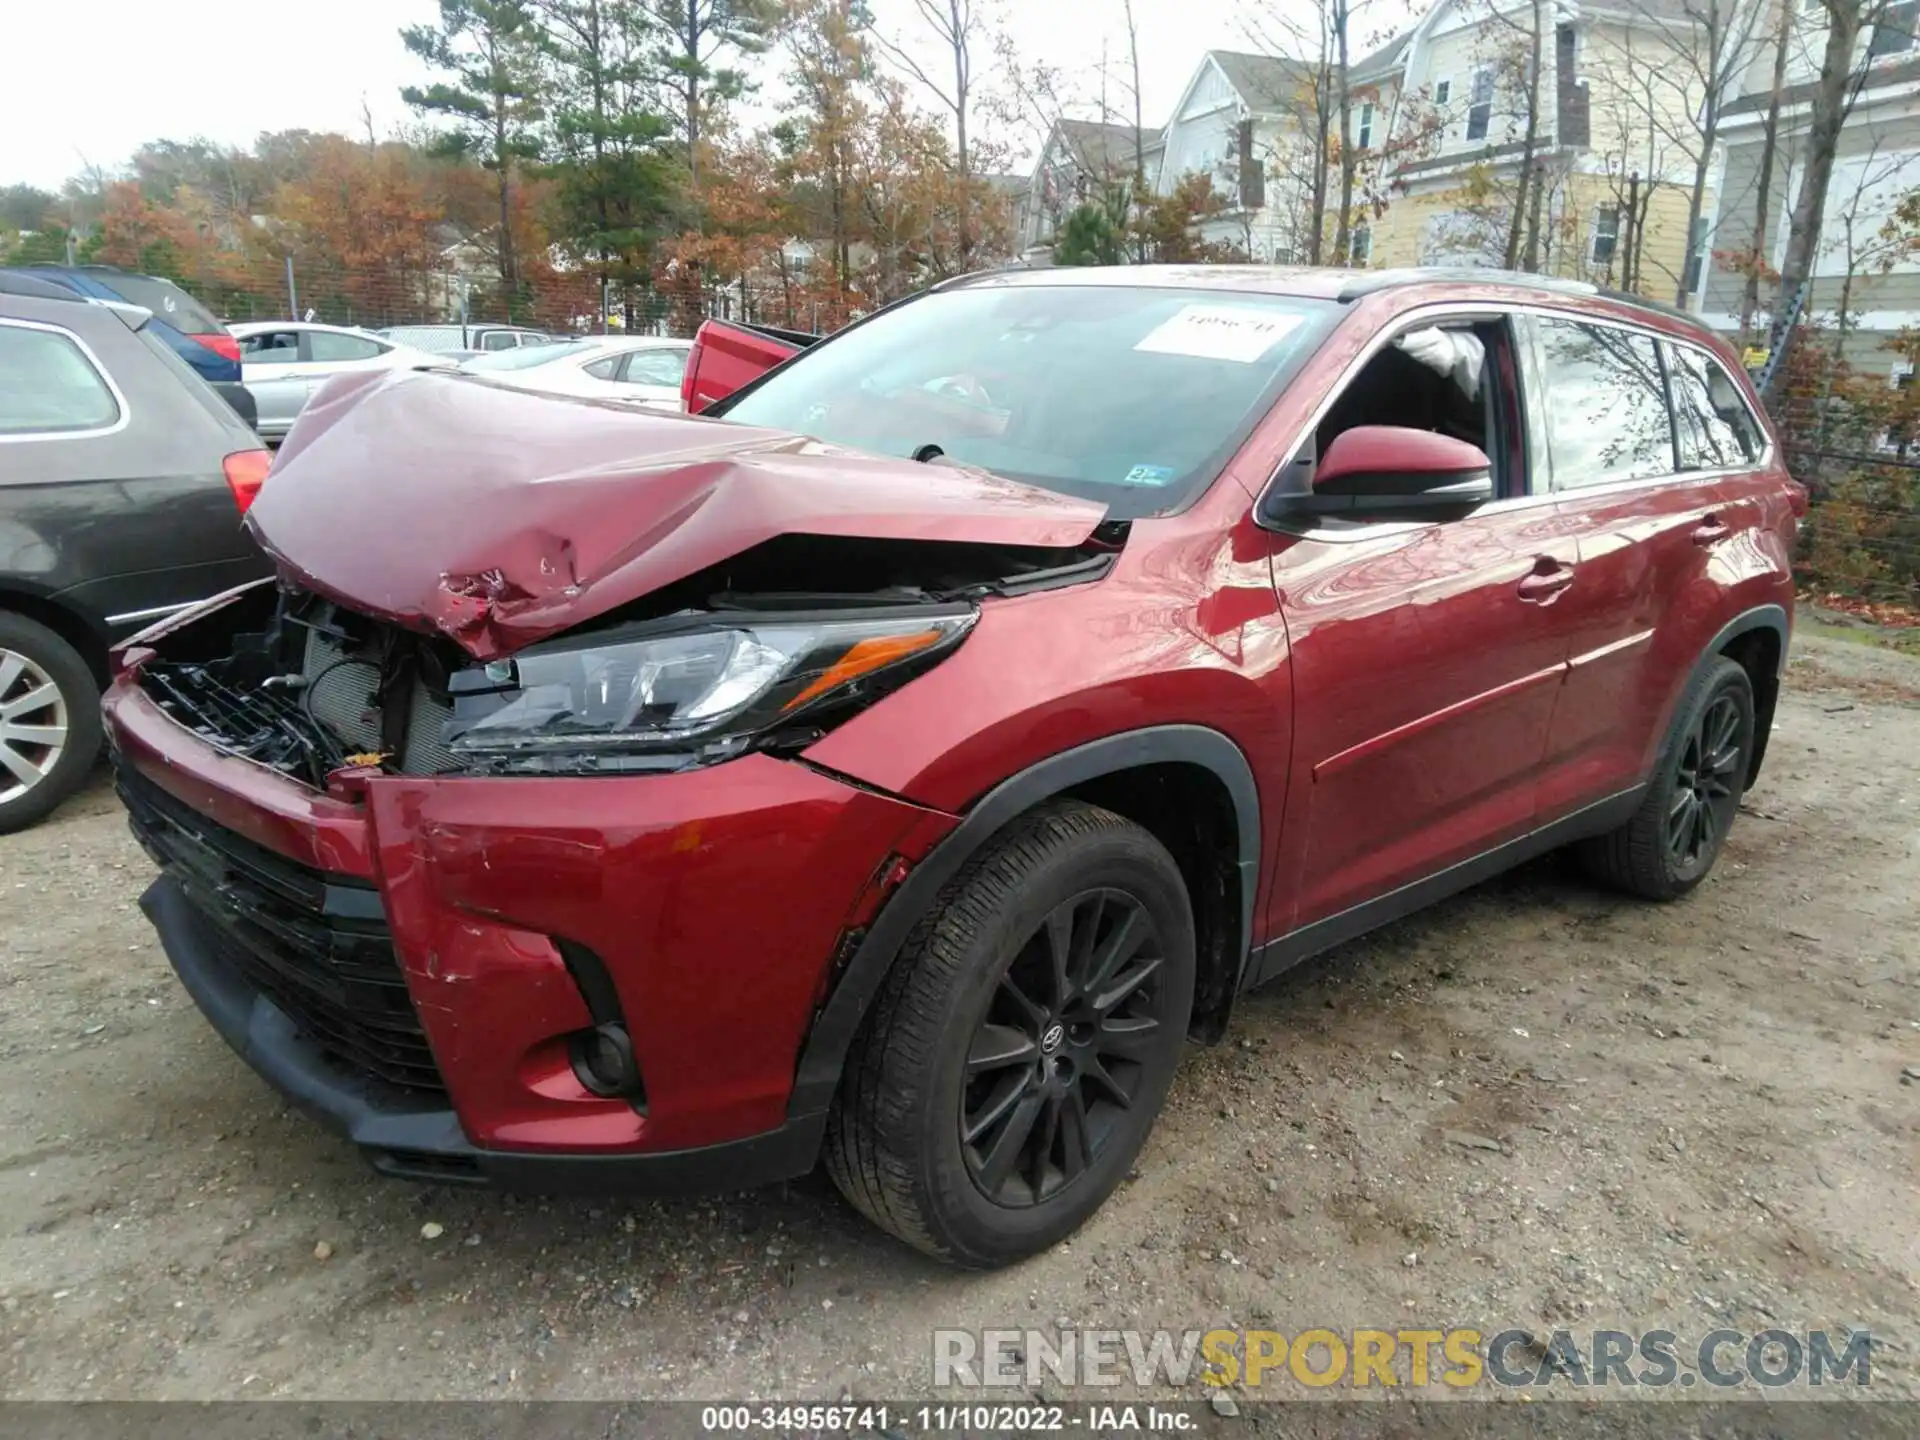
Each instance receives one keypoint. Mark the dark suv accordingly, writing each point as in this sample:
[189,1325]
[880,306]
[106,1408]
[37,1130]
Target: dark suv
[902,768]
[122,480]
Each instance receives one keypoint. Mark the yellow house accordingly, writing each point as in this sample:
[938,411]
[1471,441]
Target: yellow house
[1615,150]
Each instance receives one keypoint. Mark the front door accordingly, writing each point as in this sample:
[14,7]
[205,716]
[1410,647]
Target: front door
[1426,662]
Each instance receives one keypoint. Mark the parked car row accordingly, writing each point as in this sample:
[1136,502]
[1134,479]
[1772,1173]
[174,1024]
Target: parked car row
[900,772]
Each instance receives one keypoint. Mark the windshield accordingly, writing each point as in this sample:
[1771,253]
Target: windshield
[527,356]
[1131,396]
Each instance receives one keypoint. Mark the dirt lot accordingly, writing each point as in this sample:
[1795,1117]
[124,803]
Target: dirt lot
[1696,1113]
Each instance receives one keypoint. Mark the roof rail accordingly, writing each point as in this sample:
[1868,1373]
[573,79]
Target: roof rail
[18,282]
[1373,281]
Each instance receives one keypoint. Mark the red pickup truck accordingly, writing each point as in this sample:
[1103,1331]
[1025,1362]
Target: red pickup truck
[727,355]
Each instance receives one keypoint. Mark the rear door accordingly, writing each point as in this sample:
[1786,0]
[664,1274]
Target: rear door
[1652,518]
[1427,660]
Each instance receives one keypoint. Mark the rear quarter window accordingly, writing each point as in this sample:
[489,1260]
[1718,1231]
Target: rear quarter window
[1717,429]
[167,301]
[48,386]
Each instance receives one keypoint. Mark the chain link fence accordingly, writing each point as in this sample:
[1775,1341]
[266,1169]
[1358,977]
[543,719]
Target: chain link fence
[1852,437]
[571,302]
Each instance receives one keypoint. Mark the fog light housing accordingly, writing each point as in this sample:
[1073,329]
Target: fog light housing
[603,1061]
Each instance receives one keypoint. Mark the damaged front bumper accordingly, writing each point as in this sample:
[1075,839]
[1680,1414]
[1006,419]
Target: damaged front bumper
[417,966]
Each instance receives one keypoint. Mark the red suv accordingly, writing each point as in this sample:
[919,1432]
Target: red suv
[902,768]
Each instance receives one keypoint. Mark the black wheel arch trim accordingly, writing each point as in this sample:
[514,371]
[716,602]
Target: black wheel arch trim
[1761,617]
[824,1054]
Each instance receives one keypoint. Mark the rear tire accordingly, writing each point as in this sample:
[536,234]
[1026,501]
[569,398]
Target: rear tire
[1672,841]
[50,727]
[1022,1043]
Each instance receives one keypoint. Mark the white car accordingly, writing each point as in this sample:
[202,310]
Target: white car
[282,363]
[646,368]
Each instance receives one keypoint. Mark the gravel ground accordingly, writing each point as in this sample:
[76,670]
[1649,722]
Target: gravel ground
[1535,1105]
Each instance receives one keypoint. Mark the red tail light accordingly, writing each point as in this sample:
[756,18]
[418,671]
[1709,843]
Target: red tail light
[224,346]
[246,472]
[1797,497]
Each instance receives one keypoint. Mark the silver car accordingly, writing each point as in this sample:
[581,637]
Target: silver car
[282,362]
[643,368]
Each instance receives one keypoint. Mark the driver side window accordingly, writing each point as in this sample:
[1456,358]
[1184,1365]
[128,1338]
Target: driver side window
[1452,378]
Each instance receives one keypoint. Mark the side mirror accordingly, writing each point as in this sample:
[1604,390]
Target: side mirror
[1391,470]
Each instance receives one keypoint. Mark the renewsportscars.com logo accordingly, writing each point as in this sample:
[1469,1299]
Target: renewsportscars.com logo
[1457,1358]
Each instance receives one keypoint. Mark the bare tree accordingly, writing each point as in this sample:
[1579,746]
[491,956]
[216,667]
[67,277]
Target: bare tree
[1769,148]
[1340,22]
[1139,193]
[1523,231]
[1306,165]
[958,26]
[1693,64]
[1833,96]
[1515,47]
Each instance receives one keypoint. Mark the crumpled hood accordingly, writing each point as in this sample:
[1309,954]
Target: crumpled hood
[500,517]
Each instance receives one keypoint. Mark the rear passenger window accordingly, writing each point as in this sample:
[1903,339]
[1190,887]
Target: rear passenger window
[1606,403]
[273,347]
[656,367]
[329,348]
[48,386]
[1717,430]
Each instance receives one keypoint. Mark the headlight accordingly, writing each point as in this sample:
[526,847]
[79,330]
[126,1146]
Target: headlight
[692,695]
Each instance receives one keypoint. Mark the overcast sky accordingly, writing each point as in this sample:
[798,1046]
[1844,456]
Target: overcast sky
[87,84]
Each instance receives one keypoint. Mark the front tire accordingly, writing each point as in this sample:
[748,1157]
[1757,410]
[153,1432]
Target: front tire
[1670,844]
[1022,1043]
[50,727]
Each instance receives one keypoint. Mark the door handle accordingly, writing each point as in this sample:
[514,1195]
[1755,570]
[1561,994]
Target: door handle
[1711,530]
[1548,579]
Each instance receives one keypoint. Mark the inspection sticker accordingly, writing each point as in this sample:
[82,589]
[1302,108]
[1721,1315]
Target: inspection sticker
[1219,332]
[1149,475]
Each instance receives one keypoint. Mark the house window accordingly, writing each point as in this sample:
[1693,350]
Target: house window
[1894,34]
[1366,126]
[1480,113]
[1359,246]
[1606,234]
[1442,92]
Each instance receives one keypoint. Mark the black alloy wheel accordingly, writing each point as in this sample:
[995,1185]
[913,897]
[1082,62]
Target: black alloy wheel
[1706,789]
[1056,1062]
[1014,1061]
[1675,835]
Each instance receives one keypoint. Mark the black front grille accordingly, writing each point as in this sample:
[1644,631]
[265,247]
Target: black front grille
[315,944]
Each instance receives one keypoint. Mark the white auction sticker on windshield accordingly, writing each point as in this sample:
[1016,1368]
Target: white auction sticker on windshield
[1219,332]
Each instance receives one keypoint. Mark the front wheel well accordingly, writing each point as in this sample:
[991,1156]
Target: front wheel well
[1188,809]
